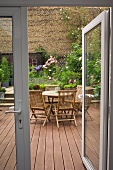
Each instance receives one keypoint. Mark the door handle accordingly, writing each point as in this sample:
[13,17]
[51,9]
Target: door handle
[12,111]
[20,122]
[15,111]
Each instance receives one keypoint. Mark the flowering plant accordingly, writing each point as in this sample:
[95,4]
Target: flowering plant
[50,67]
[72,81]
[2,89]
[50,61]
[72,84]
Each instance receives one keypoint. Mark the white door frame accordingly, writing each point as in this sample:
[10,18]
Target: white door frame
[103,19]
[21,65]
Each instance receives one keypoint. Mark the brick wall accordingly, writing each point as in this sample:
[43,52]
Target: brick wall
[46,29]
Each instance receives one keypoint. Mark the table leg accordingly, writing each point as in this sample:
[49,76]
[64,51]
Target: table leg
[51,102]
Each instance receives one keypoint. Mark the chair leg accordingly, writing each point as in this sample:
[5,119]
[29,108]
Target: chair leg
[45,121]
[75,121]
[89,115]
[33,114]
[74,118]
[57,121]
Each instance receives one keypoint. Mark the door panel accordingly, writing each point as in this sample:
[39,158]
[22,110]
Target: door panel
[21,103]
[95,74]
[7,133]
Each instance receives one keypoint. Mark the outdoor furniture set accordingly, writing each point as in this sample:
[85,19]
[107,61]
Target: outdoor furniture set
[64,105]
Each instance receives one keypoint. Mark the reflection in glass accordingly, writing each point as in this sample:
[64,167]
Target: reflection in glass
[93,79]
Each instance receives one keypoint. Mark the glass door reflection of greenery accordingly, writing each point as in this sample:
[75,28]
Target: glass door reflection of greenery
[93,72]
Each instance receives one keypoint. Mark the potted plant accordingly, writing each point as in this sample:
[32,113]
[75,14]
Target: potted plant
[2,92]
[1,76]
[70,86]
[5,68]
[31,86]
[42,87]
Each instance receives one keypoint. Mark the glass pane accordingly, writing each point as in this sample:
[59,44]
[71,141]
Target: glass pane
[92,93]
[7,125]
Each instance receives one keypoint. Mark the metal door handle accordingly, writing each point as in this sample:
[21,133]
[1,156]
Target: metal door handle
[12,111]
[20,122]
[16,111]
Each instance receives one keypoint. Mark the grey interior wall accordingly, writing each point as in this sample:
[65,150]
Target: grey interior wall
[58,2]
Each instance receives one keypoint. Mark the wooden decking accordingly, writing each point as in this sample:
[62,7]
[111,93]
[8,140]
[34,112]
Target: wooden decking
[51,148]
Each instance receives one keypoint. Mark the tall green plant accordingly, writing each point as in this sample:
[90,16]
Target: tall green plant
[5,68]
[1,75]
[75,62]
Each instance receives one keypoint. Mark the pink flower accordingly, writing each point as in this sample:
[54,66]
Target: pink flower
[75,81]
[70,81]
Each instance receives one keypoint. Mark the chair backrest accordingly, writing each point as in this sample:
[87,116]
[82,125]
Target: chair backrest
[88,99]
[36,99]
[50,87]
[79,91]
[66,99]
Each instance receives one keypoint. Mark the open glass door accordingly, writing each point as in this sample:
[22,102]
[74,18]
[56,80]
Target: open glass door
[14,25]
[95,73]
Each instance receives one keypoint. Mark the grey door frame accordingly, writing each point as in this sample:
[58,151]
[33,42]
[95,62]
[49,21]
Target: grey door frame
[21,65]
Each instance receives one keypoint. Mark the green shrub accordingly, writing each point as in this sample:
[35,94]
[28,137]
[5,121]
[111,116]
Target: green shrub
[42,86]
[31,86]
[1,75]
[5,68]
[2,89]
[69,86]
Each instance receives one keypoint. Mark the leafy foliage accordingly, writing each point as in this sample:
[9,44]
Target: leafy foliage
[76,18]
[1,75]
[2,89]
[5,68]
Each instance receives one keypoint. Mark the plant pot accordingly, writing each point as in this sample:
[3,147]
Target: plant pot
[5,84]
[2,94]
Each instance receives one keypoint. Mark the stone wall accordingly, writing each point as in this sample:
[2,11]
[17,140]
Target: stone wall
[47,30]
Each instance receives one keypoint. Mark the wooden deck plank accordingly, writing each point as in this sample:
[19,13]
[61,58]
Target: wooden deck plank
[68,164]
[58,156]
[11,162]
[7,133]
[77,136]
[34,144]
[3,117]
[52,148]
[40,158]
[76,157]
[6,142]
[49,160]
[6,155]
[5,123]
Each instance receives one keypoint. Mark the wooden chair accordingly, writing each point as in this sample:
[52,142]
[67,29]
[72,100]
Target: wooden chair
[88,99]
[37,103]
[51,88]
[78,100]
[64,109]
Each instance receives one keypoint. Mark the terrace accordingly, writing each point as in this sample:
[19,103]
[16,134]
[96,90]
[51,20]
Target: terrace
[51,148]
